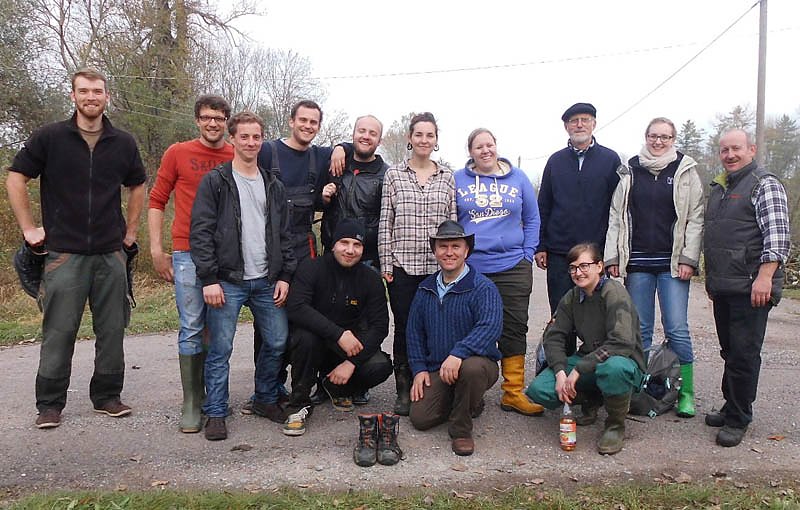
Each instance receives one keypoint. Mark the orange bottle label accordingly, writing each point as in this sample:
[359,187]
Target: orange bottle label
[568,435]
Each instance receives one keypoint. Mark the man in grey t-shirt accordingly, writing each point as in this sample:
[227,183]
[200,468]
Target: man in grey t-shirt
[241,246]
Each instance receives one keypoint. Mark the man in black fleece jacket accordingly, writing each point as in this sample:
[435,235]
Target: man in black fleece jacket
[337,307]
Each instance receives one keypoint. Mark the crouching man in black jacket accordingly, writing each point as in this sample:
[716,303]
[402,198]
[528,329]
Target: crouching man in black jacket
[242,250]
[337,307]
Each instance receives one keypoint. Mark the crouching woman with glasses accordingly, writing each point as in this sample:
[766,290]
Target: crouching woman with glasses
[608,365]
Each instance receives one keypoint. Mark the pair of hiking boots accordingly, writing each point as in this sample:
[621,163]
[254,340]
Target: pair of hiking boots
[377,440]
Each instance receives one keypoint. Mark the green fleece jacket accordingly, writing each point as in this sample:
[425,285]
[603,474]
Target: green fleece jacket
[606,322]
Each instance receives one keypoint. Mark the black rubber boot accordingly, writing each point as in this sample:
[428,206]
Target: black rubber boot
[402,381]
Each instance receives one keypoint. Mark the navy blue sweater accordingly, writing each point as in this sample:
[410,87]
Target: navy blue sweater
[467,322]
[573,204]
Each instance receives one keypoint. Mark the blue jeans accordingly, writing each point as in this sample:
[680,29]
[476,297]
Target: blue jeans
[673,300]
[274,327]
[191,307]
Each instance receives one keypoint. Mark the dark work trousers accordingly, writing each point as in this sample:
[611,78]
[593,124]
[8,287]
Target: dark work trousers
[401,293]
[309,355]
[305,247]
[740,329]
[455,404]
[68,281]
[558,280]
[515,287]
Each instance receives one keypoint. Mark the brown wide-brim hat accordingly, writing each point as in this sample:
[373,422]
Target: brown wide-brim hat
[450,229]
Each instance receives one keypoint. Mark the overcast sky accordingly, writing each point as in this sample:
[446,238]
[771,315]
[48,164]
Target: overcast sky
[537,58]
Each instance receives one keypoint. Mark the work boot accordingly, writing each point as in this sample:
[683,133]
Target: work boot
[389,453]
[192,382]
[402,381]
[365,452]
[513,382]
[614,433]
[685,407]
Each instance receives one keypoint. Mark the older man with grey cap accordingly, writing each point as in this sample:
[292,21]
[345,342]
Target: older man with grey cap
[455,320]
[574,197]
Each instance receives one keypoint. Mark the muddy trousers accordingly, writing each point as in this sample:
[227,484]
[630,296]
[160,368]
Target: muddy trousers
[455,404]
[70,280]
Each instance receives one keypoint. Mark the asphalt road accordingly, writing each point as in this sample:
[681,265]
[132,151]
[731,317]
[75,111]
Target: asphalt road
[146,449]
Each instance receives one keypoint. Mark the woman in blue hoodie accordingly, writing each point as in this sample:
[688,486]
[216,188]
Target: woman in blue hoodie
[496,202]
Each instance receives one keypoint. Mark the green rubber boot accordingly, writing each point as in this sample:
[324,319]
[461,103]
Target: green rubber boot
[614,433]
[685,407]
[193,389]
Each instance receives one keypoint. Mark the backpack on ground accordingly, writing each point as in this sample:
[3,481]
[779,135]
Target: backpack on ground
[660,385]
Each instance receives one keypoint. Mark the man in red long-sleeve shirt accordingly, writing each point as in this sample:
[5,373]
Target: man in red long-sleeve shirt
[182,168]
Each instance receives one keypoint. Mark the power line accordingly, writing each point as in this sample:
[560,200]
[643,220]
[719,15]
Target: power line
[679,69]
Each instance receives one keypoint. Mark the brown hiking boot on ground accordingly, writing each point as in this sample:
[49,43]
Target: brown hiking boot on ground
[365,452]
[389,453]
[49,418]
[463,446]
[114,408]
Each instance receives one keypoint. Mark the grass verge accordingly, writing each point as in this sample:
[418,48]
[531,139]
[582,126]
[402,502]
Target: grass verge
[622,497]
[155,311]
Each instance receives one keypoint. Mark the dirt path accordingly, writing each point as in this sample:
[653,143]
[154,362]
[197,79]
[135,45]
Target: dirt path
[146,449]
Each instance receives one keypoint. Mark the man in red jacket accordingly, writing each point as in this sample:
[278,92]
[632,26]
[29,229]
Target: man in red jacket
[182,168]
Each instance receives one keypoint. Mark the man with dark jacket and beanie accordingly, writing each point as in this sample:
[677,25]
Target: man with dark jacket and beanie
[337,308]
[455,320]
[574,198]
[746,244]
[83,163]
[240,243]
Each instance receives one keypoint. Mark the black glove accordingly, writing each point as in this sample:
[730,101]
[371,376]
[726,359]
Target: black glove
[29,263]
[130,252]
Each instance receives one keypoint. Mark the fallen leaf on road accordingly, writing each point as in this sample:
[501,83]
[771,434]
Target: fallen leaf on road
[252,489]
[458,467]
[774,483]
[135,458]
[683,478]
[462,495]
[242,448]
[740,485]
[303,485]
[719,474]
[426,484]
[777,437]
[159,483]
[537,481]
[121,488]
[756,450]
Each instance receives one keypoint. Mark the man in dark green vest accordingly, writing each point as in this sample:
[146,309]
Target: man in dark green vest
[746,245]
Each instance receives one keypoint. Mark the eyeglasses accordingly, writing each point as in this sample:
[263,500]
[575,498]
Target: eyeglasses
[584,267]
[660,138]
[209,118]
[582,120]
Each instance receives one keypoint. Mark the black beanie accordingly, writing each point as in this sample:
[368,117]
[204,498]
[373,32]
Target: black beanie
[350,229]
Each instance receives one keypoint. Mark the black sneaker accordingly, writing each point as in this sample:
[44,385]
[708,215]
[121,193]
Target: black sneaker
[273,412]
[715,419]
[361,398]
[730,436]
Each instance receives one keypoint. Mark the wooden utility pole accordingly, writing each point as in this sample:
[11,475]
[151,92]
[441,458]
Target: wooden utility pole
[762,72]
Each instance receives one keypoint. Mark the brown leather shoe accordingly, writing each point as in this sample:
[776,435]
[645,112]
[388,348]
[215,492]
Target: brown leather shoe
[463,446]
[216,429]
[114,408]
[48,418]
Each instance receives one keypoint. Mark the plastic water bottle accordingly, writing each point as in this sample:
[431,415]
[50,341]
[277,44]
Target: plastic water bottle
[568,430]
